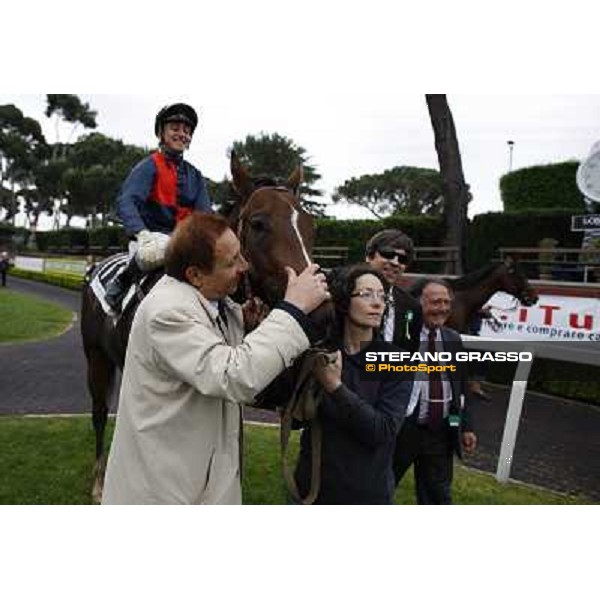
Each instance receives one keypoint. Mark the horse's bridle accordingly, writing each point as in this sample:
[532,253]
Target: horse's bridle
[306,395]
[247,287]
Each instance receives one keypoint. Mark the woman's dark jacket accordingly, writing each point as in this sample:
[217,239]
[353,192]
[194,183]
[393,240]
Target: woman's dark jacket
[360,421]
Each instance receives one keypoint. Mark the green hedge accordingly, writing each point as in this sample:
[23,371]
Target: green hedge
[69,237]
[543,186]
[487,232]
[82,241]
[425,231]
[7,230]
[13,237]
[71,282]
[107,237]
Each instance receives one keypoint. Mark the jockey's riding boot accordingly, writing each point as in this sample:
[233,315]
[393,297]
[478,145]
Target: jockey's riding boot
[117,288]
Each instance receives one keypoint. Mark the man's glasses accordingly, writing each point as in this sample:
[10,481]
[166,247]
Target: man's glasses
[370,295]
[390,254]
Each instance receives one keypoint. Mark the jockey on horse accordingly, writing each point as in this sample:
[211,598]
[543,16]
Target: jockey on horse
[160,191]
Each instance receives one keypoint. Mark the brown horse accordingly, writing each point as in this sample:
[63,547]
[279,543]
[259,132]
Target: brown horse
[473,291]
[274,233]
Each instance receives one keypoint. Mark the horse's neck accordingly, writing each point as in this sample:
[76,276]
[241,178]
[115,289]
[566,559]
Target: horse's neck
[476,297]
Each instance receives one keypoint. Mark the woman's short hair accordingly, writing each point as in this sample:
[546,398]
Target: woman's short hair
[193,244]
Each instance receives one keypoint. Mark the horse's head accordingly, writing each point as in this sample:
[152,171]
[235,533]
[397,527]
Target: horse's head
[273,229]
[513,282]
[274,232]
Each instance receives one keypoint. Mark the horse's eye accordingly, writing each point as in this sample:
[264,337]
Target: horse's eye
[259,223]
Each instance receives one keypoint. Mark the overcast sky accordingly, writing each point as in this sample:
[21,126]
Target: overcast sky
[347,137]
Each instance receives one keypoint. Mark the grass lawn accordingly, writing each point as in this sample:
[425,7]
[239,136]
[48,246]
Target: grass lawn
[23,317]
[50,460]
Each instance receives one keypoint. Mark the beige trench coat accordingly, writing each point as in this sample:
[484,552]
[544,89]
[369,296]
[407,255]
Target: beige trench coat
[177,433]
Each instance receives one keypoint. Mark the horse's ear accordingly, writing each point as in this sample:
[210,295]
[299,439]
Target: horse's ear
[510,262]
[295,179]
[241,179]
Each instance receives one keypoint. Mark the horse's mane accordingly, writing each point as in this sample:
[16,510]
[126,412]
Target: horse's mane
[465,282]
[265,181]
[471,279]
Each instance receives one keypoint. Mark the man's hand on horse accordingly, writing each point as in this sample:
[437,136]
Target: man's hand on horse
[308,290]
[254,311]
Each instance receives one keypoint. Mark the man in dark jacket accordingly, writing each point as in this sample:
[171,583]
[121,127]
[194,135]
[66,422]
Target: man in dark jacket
[4,265]
[437,422]
[389,252]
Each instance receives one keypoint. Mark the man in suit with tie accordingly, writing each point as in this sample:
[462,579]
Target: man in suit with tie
[437,422]
[389,252]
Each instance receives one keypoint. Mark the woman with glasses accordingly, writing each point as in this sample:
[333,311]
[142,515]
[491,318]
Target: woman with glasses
[359,417]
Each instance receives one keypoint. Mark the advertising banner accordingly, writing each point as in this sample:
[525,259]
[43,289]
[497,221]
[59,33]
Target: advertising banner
[29,263]
[71,267]
[552,318]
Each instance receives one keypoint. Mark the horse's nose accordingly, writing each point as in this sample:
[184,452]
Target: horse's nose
[531,297]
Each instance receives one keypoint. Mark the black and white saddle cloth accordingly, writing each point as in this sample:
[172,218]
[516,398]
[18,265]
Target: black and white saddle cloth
[106,272]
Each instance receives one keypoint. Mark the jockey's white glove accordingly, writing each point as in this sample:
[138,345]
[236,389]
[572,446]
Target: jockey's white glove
[152,247]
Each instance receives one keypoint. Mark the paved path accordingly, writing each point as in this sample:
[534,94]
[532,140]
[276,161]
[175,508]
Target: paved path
[49,376]
[558,444]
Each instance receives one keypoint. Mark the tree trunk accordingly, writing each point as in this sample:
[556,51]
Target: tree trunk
[56,216]
[13,204]
[455,189]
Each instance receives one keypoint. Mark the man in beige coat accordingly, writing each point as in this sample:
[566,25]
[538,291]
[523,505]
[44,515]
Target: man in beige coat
[189,368]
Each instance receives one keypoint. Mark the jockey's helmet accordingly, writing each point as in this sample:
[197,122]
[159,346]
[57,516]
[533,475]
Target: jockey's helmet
[175,113]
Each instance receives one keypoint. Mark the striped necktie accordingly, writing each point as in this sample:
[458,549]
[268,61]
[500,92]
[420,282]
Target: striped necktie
[435,409]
